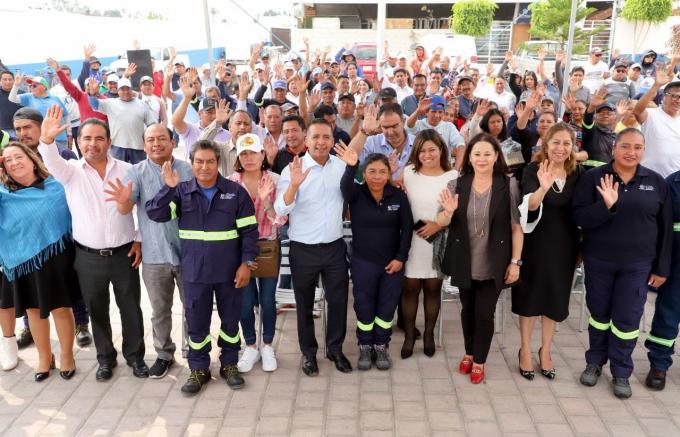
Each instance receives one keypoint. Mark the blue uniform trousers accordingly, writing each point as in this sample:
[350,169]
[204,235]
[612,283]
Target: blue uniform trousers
[198,307]
[664,325]
[376,294]
[615,295]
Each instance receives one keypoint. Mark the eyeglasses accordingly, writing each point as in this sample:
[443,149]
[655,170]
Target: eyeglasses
[621,70]
[598,55]
[675,97]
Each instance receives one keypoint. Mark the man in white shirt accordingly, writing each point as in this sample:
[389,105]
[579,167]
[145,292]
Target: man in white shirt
[501,96]
[106,250]
[596,70]
[400,84]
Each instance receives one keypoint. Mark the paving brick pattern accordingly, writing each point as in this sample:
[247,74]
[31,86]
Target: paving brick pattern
[419,397]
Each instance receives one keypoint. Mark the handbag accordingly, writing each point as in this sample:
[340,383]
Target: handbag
[268,260]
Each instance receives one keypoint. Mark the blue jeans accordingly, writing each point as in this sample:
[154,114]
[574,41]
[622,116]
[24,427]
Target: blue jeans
[264,291]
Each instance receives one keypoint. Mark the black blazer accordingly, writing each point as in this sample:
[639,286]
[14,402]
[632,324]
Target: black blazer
[457,263]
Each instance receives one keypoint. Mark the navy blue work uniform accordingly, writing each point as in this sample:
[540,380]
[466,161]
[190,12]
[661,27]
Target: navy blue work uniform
[667,311]
[622,246]
[381,232]
[216,237]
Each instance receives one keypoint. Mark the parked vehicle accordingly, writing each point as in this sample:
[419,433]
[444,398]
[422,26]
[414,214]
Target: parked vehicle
[365,54]
[452,45]
[526,57]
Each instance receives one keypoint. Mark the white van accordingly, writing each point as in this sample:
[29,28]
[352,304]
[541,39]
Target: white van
[452,45]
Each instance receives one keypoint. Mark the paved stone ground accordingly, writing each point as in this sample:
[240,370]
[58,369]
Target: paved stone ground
[419,397]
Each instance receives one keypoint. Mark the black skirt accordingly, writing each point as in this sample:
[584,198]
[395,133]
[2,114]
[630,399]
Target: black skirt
[54,286]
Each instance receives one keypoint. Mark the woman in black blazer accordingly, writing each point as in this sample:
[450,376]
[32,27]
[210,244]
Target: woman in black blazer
[484,244]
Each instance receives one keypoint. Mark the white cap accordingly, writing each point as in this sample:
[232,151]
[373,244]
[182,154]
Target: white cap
[124,82]
[259,66]
[113,77]
[401,55]
[250,142]
[288,66]
[205,66]
[291,56]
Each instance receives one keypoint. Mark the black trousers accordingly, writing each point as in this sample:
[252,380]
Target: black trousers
[477,315]
[95,273]
[307,262]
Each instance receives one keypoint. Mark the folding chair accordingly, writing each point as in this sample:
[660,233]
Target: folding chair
[449,293]
[499,317]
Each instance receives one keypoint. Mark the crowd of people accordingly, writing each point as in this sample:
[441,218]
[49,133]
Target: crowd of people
[445,172]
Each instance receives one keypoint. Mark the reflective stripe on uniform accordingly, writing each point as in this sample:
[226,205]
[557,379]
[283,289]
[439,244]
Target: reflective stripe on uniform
[199,346]
[382,323]
[246,221]
[207,235]
[597,325]
[676,227]
[593,163]
[364,326]
[661,341]
[173,210]
[630,335]
[228,338]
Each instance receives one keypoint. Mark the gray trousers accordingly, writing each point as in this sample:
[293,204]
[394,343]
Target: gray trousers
[160,281]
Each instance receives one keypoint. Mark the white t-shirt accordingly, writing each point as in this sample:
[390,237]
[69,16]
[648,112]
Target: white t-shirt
[662,142]
[594,78]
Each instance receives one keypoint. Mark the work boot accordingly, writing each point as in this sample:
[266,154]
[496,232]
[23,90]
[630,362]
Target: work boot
[382,357]
[197,379]
[622,388]
[83,336]
[230,374]
[9,351]
[25,338]
[590,376]
[656,379]
[365,357]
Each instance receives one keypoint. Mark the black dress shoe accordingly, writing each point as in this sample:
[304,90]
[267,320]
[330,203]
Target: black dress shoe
[656,379]
[140,369]
[341,361]
[230,374]
[83,336]
[105,371]
[41,376]
[67,374]
[309,366]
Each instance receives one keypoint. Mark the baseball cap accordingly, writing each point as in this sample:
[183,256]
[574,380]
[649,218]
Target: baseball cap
[464,77]
[288,65]
[112,78]
[317,70]
[94,60]
[547,98]
[608,106]
[145,79]
[346,96]
[292,55]
[205,66]
[206,105]
[37,79]
[636,65]
[288,106]
[259,66]
[388,93]
[329,59]
[124,82]
[401,55]
[27,113]
[620,62]
[280,84]
[327,86]
[248,142]
[347,53]
[437,102]
[596,51]
[180,63]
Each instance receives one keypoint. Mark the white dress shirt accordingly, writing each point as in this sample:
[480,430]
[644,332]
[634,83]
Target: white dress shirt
[96,222]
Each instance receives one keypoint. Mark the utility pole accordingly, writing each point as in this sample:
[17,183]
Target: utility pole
[208,38]
[567,60]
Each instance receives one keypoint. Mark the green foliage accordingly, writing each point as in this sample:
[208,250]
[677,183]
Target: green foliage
[651,11]
[472,17]
[550,21]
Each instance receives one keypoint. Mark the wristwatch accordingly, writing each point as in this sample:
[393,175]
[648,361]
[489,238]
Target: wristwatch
[250,263]
[517,262]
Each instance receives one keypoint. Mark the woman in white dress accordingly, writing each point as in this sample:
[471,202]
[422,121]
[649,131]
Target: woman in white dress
[427,173]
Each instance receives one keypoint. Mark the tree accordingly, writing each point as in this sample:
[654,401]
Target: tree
[550,21]
[472,17]
[644,14]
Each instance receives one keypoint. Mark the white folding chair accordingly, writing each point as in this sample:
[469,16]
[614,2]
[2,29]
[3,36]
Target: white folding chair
[449,293]
[499,317]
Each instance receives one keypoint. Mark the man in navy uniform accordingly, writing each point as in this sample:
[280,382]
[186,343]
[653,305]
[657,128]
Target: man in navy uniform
[218,235]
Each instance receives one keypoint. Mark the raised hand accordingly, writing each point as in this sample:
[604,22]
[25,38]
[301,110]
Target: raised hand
[609,190]
[662,77]
[222,112]
[51,126]
[266,77]
[393,160]
[371,123]
[305,41]
[313,99]
[482,107]
[569,101]
[244,86]
[424,105]
[616,53]
[278,70]
[541,54]
[130,70]
[92,86]
[297,177]
[88,51]
[346,153]
[533,101]
[508,56]
[170,176]
[54,65]
[622,107]
[270,148]
[448,201]
[489,69]
[265,188]
[546,178]
[559,56]
[599,97]
[185,86]
[193,74]
[18,79]
[173,55]
[118,192]
[169,70]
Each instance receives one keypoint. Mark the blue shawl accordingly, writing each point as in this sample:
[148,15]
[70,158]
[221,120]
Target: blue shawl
[35,225]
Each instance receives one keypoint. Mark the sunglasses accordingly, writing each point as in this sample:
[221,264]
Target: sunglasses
[34,85]
[598,55]
[621,70]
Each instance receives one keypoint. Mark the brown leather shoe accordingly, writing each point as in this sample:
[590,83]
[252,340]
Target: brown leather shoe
[656,379]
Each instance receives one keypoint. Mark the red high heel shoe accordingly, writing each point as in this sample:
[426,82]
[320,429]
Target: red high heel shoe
[465,366]
[477,374]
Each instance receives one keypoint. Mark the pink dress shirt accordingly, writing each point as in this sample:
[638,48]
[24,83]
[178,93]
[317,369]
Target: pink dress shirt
[268,228]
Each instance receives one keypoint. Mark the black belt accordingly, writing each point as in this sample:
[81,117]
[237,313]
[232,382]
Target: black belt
[110,251]
[317,245]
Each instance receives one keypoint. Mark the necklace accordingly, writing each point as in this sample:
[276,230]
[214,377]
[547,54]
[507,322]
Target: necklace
[475,215]
[559,183]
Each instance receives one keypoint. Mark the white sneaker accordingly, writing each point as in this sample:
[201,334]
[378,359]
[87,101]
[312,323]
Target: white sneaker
[9,353]
[248,359]
[268,359]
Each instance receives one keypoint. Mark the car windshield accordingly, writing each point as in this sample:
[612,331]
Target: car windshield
[364,52]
